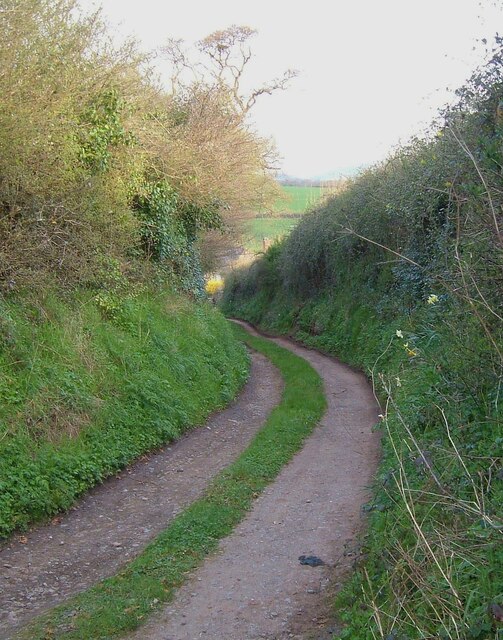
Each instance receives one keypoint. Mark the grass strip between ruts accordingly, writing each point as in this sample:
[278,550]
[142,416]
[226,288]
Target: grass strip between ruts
[123,602]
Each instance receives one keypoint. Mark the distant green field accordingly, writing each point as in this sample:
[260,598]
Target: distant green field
[270,228]
[299,199]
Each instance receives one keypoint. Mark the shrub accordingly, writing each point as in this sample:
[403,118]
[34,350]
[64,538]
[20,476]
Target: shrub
[401,275]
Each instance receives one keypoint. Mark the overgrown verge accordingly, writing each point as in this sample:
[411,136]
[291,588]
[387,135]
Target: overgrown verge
[100,164]
[401,275]
[121,603]
[108,182]
[90,384]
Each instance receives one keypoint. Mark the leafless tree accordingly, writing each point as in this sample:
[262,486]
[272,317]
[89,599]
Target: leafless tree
[223,58]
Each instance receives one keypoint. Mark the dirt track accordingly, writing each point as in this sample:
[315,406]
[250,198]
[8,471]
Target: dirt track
[255,587]
[117,519]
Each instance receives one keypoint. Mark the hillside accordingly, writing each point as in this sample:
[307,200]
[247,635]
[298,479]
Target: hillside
[108,181]
[401,275]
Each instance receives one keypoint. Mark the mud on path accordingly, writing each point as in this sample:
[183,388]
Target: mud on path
[254,586]
[117,519]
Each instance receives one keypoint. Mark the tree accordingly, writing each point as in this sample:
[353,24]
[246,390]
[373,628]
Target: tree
[208,81]
[222,60]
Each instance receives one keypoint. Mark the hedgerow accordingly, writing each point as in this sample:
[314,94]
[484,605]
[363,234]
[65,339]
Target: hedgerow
[107,183]
[98,161]
[401,274]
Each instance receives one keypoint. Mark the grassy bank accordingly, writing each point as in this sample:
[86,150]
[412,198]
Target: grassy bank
[432,562]
[89,383]
[123,602]
[400,275]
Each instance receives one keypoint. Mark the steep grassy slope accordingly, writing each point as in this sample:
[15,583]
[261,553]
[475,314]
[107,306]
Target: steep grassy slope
[87,387]
[401,275]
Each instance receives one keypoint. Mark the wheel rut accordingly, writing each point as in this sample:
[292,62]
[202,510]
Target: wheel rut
[254,586]
[115,521]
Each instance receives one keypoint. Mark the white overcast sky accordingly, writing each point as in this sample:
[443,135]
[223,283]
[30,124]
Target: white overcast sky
[372,72]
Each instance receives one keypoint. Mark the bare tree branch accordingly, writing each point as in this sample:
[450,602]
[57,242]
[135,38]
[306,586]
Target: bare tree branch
[270,87]
[224,55]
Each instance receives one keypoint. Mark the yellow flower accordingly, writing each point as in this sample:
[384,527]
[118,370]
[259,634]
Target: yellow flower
[399,334]
[432,299]
[214,285]
[410,352]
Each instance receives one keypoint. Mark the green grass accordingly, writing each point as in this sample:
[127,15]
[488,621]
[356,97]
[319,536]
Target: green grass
[299,199]
[438,383]
[296,201]
[415,391]
[122,603]
[86,388]
[270,228]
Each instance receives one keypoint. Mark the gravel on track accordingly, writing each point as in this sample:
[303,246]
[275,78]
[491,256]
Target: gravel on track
[254,586]
[115,521]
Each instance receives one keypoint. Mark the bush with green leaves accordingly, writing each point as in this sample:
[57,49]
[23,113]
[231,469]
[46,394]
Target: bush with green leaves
[102,129]
[401,274]
[169,233]
[97,161]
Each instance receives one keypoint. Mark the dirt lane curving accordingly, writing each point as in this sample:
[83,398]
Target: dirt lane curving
[254,586]
[117,519]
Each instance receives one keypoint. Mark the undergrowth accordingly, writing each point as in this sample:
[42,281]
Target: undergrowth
[123,602]
[99,162]
[88,386]
[400,274]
